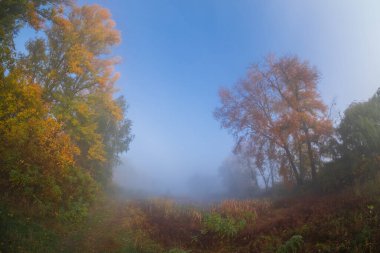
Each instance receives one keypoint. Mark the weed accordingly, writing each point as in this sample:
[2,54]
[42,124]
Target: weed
[293,245]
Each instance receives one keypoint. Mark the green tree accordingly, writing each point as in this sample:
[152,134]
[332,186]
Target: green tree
[359,129]
[358,145]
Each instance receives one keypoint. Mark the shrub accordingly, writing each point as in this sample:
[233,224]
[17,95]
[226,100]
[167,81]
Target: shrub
[224,227]
[18,234]
[293,245]
[242,209]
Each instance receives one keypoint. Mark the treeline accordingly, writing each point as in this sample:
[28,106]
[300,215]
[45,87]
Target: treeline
[61,127]
[285,136]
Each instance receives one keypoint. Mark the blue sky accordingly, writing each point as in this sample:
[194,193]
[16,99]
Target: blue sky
[178,53]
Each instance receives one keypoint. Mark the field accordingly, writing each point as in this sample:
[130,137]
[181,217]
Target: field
[341,222]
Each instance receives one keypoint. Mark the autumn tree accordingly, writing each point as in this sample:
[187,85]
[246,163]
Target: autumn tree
[37,169]
[14,14]
[76,72]
[38,164]
[277,116]
[61,126]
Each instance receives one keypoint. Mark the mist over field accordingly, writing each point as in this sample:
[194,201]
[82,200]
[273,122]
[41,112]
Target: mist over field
[176,137]
[195,185]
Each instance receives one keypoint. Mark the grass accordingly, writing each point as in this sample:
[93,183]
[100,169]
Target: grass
[340,222]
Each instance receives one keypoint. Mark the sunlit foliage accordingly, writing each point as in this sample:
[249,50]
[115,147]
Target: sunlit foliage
[61,127]
[37,158]
[78,80]
[278,118]
[14,14]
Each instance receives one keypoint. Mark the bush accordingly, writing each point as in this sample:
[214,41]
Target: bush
[293,245]
[348,171]
[19,234]
[224,227]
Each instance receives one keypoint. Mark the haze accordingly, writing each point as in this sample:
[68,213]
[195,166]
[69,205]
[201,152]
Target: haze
[177,54]
[189,126]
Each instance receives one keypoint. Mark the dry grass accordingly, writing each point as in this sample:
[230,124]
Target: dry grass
[342,222]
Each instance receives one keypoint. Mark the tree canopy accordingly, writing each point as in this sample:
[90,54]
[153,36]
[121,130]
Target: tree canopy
[278,118]
[61,126]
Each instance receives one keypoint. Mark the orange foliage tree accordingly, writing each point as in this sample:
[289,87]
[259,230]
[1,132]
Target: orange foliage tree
[76,72]
[278,118]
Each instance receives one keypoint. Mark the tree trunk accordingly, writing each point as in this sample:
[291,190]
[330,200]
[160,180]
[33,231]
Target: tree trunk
[310,154]
[293,165]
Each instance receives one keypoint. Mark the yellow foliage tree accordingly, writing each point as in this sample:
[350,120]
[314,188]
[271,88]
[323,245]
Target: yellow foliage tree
[76,73]
[38,169]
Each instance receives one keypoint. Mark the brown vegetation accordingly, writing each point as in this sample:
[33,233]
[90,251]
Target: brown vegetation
[341,222]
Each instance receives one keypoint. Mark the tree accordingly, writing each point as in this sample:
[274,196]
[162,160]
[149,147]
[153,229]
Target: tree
[359,129]
[276,115]
[76,72]
[61,127]
[359,143]
[74,59]
[261,160]
[14,14]
[37,158]
[355,148]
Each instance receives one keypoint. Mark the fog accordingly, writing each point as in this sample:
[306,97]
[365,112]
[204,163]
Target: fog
[178,146]
[193,185]
[189,126]
[190,52]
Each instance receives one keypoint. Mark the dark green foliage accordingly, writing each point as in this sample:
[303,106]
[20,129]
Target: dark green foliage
[360,128]
[20,234]
[335,176]
[293,245]
[356,148]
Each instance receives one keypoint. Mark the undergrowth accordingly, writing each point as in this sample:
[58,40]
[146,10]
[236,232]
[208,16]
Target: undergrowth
[341,222]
